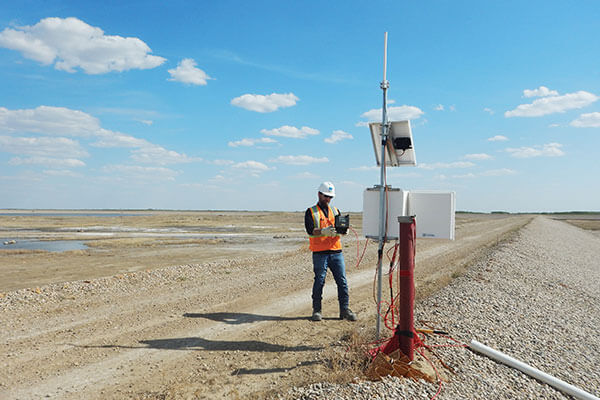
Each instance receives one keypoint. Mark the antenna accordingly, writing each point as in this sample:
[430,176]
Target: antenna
[393,140]
[384,56]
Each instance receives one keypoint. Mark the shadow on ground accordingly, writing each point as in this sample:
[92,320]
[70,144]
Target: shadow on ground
[244,318]
[195,343]
[240,318]
[260,371]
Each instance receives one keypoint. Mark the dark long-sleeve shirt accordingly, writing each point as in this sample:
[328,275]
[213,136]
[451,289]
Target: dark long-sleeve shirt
[309,224]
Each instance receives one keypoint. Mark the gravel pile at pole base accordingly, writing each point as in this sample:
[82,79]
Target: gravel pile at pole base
[536,298]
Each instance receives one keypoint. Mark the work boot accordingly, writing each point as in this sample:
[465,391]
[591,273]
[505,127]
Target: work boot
[316,316]
[347,314]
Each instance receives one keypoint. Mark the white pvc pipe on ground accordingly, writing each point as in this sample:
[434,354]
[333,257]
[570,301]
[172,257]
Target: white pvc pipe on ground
[533,372]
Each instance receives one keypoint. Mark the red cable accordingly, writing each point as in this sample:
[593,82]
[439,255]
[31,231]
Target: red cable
[359,258]
[437,374]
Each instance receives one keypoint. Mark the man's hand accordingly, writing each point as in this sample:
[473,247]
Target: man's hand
[328,231]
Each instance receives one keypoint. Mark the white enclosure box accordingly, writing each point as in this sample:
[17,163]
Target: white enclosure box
[434,212]
[396,204]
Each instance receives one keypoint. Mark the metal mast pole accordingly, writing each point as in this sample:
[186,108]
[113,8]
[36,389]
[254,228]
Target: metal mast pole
[382,203]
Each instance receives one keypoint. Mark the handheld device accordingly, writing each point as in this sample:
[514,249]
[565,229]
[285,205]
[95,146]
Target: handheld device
[342,223]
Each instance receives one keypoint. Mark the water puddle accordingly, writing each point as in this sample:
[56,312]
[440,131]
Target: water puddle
[46,245]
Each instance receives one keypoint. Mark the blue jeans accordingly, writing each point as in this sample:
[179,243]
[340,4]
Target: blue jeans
[335,262]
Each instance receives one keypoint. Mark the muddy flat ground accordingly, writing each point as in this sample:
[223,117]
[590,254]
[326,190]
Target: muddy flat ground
[117,242]
[129,241]
[191,304]
[588,221]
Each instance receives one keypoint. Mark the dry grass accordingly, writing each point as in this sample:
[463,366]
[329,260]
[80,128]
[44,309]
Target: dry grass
[345,361]
[348,360]
[14,252]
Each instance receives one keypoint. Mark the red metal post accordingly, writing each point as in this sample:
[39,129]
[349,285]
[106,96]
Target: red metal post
[405,330]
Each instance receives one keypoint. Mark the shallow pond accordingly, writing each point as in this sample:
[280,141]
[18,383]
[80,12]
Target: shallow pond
[46,245]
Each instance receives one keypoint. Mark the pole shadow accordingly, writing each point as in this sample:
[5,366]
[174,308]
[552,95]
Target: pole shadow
[261,371]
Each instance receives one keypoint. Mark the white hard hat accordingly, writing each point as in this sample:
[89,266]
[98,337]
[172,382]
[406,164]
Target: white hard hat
[327,189]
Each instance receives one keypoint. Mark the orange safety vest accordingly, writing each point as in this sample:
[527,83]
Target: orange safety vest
[323,243]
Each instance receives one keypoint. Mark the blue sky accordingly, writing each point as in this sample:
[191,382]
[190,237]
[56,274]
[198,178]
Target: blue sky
[250,105]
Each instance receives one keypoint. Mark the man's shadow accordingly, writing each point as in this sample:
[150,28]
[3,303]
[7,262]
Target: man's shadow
[200,344]
[243,318]
[197,343]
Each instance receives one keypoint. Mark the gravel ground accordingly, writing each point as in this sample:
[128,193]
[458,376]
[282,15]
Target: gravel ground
[535,298]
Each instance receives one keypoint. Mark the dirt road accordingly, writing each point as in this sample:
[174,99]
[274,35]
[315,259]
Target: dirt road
[227,329]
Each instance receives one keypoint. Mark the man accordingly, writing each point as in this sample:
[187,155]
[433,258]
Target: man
[326,245]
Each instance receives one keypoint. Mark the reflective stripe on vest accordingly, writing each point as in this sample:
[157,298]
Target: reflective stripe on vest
[323,243]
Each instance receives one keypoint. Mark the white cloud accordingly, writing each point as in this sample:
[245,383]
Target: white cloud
[394,114]
[49,121]
[186,72]
[338,135]
[300,160]
[489,111]
[498,138]
[265,104]
[55,121]
[498,172]
[249,168]
[116,139]
[441,165]
[439,107]
[477,156]
[553,104]
[54,147]
[52,152]
[137,172]
[219,179]
[221,162]
[542,91]
[291,132]
[251,165]
[590,120]
[48,161]
[70,43]
[465,176]
[154,154]
[247,142]
[546,150]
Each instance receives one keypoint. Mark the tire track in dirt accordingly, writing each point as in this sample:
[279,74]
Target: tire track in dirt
[191,339]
